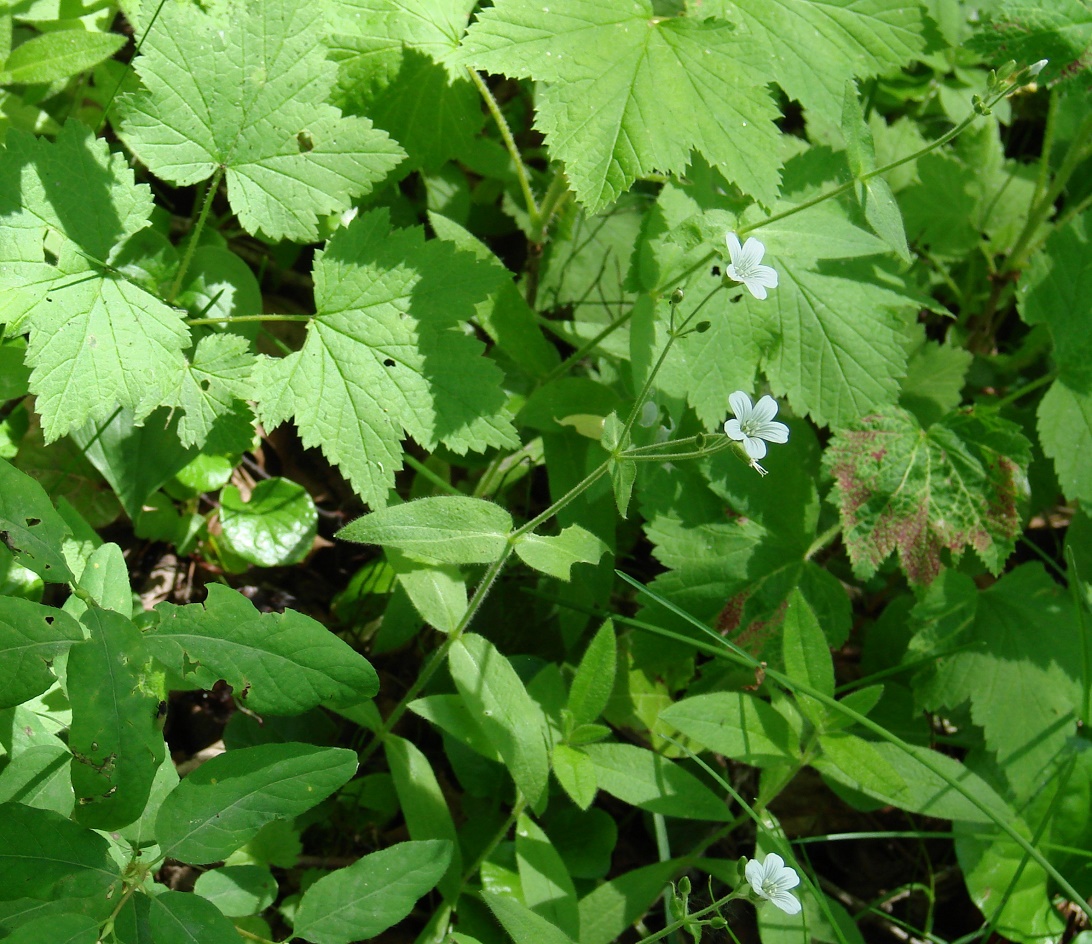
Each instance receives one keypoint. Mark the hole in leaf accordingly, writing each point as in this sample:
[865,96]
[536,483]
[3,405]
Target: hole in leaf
[389,362]
[31,522]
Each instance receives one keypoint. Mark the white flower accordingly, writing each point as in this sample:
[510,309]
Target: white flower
[772,880]
[746,266]
[754,426]
[1036,67]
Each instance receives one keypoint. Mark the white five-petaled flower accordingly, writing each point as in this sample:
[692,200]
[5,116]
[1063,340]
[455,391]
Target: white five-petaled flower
[754,426]
[772,879]
[746,265]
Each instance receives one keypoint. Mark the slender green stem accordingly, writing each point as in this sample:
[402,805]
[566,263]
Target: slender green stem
[423,470]
[195,235]
[1076,586]
[573,493]
[719,445]
[510,144]
[498,837]
[823,540]
[1017,394]
[128,66]
[556,195]
[238,319]
[1048,146]
[587,347]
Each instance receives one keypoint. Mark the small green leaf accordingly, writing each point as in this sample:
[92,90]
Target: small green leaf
[556,555]
[106,577]
[652,782]
[512,721]
[807,656]
[280,663]
[30,526]
[437,591]
[31,636]
[64,928]
[38,776]
[187,918]
[735,724]
[576,774]
[275,527]
[115,741]
[594,680]
[547,886]
[449,529]
[521,923]
[374,893]
[238,890]
[227,800]
[58,55]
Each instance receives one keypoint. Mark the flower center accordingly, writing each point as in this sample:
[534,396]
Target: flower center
[749,427]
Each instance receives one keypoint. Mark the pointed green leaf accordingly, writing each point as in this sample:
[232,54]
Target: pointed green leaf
[614,118]
[576,774]
[735,724]
[437,591]
[555,555]
[807,655]
[652,782]
[445,528]
[521,923]
[238,890]
[116,742]
[30,526]
[106,577]
[247,93]
[374,893]
[31,636]
[547,886]
[386,357]
[188,918]
[917,491]
[513,722]
[227,800]
[594,679]
[47,857]
[280,663]
[51,57]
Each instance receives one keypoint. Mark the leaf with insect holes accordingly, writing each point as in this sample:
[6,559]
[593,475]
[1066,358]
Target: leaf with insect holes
[385,356]
[918,491]
[247,92]
[215,380]
[615,117]
[97,340]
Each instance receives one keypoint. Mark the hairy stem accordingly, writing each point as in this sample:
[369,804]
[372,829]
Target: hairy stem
[195,235]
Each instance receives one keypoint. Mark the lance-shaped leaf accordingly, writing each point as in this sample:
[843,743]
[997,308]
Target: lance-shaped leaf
[31,635]
[280,663]
[556,554]
[367,897]
[954,485]
[385,357]
[248,92]
[116,742]
[613,118]
[97,341]
[30,526]
[227,800]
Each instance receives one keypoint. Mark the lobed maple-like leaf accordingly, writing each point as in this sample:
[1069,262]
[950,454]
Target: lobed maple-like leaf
[917,491]
[629,92]
[385,355]
[213,382]
[96,340]
[815,45]
[1029,30]
[247,92]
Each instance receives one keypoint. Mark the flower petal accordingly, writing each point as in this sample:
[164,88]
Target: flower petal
[773,863]
[755,448]
[741,405]
[753,251]
[733,430]
[786,902]
[773,432]
[755,288]
[764,275]
[765,410]
[754,874]
[735,250]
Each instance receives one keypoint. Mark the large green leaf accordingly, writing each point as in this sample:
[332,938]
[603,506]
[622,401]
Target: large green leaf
[227,800]
[512,721]
[386,357]
[280,663]
[64,928]
[47,857]
[97,340]
[188,918]
[247,93]
[920,491]
[614,118]
[31,636]
[375,892]
[736,724]
[115,741]
[1059,31]
[1057,291]
[446,528]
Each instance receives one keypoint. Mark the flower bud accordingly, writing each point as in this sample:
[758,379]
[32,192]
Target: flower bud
[1036,67]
